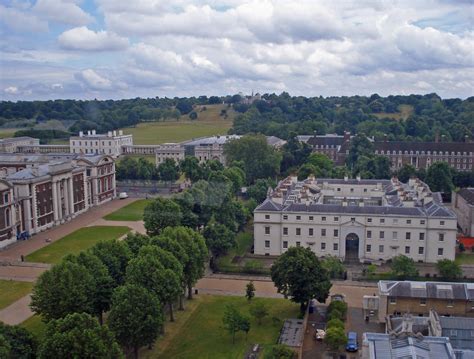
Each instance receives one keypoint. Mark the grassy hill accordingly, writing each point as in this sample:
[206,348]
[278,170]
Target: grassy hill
[209,123]
[404,111]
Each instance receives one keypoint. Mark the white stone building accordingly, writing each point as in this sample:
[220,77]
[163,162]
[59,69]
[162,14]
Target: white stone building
[103,144]
[10,145]
[175,151]
[361,220]
[463,205]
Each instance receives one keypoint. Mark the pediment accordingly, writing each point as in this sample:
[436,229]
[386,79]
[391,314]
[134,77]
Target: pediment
[352,224]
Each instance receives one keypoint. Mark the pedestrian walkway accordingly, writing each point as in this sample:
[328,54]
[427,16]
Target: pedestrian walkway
[17,312]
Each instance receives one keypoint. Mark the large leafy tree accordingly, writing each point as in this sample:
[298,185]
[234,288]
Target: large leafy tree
[115,256]
[439,177]
[259,159]
[404,267]
[299,274]
[168,170]
[135,242]
[21,342]
[219,239]
[335,337]
[191,168]
[258,191]
[103,282]
[360,146]
[449,269]
[196,250]
[135,317]
[66,288]
[161,213]
[78,335]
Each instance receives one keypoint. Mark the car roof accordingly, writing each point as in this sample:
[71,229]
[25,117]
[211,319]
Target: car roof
[352,334]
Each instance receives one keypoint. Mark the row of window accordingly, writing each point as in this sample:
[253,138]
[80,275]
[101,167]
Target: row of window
[369,220]
[440,153]
[450,302]
[335,246]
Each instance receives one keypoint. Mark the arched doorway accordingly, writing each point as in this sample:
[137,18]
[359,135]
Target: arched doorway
[352,246]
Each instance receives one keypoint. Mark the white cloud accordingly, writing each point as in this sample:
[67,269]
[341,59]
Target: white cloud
[11,90]
[81,38]
[93,80]
[19,21]
[63,11]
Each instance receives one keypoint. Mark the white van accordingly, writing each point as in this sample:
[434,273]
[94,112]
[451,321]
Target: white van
[123,195]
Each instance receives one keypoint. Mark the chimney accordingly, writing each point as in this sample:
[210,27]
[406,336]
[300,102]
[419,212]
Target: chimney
[93,132]
[88,133]
[347,136]
[385,137]
[120,133]
[109,134]
[115,133]
[81,133]
[346,178]
[358,178]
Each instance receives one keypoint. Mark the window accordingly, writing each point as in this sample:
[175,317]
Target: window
[285,231]
[407,250]
[352,189]
[336,233]
[285,244]
[422,237]
[336,219]
[298,231]
[369,248]
[450,303]
[5,198]
[285,216]
[353,219]
[440,251]
[339,190]
[381,248]
[408,235]
[393,300]
[422,301]
[369,234]
[311,218]
[323,219]
[395,235]
[441,237]
[267,230]
[382,235]
[408,221]
[369,220]
[323,246]
[267,244]
[421,250]
[365,189]
[310,231]
[323,232]
[298,218]
[335,246]
[422,221]
[298,244]
[382,220]
[441,223]
[267,216]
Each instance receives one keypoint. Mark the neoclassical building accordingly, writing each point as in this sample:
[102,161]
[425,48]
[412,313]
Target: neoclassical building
[356,219]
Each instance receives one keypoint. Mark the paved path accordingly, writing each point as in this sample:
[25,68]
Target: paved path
[38,241]
[136,226]
[20,273]
[17,312]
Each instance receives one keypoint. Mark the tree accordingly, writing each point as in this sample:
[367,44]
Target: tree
[249,291]
[219,239]
[78,335]
[20,341]
[280,351]
[259,310]
[406,172]
[115,256]
[103,282]
[258,191]
[196,250]
[449,269]
[439,177]
[135,317]
[404,267]
[168,170]
[333,266]
[193,115]
[259,159]
[335,323]
[191,168]
[360,146]
[135,241]
[237,176]
[322,163]
[161,213]
[5,347]
[299,274]
[338,305]
[66,288]
[335,337]
[234,321]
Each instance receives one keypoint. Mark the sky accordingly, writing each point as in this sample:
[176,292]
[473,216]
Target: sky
[112,49]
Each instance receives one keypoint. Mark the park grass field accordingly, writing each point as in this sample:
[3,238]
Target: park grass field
[209,123]
[404,111]
[464,258]
[131,212]
[76,242]
[35,326]
[203,336]
[11,291]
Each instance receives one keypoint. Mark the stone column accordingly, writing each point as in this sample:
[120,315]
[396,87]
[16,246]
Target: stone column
[55,202]
[33,207]
[71,195]
[27,214]
[59,200]
[95,197]
[66,197]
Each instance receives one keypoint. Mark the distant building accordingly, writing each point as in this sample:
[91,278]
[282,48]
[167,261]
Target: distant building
[334,146]
[103,144]
[43,149]
[463,205]
[174,151]
[10,145]
[356,219]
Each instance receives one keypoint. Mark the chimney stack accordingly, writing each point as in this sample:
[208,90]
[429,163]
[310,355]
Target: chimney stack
[93,132]
[385,137]
[115,133]
[81,133]
[347,136]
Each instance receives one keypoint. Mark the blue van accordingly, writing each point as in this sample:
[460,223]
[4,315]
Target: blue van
[352,342]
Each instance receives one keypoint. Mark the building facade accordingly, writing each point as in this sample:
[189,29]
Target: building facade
[105,144]
[10,145]
[463,205]
[356,220]
[39,192]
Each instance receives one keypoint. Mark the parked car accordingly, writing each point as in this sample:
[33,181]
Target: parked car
[319,334]
[123,195]
[352,342]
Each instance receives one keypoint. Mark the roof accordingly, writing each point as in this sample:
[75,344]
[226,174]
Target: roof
[292,333]
[384,346]
[274,141]
[424,146]
[437,290]
[205,141]
[17,139]
[327,140]
[459,330]
[467,194]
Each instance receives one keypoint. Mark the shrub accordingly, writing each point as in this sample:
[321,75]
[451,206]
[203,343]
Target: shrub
[339,306]
[335,323]
[335,314]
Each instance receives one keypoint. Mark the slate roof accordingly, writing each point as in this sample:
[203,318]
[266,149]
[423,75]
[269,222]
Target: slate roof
[205,141]
[424,146]
[327,140]
[354,181]
[459,330]
[340,209]
[468,195]
[269,205]
[439,290]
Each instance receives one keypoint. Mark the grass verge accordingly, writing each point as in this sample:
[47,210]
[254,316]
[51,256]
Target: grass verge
[465,258]
[76,242]
[131,212]
[11,291]
[35,326]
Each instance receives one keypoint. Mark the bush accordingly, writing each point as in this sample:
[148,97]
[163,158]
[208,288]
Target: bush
[335,338]
[335,314]
[335,323]
[280,351]
[339,306]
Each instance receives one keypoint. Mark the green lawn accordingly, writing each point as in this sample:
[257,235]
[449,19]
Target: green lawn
[11,291]
[76,242]
[35,326]
[209,123]
[131,212]
[202,335]
[8,132]
[465,258]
